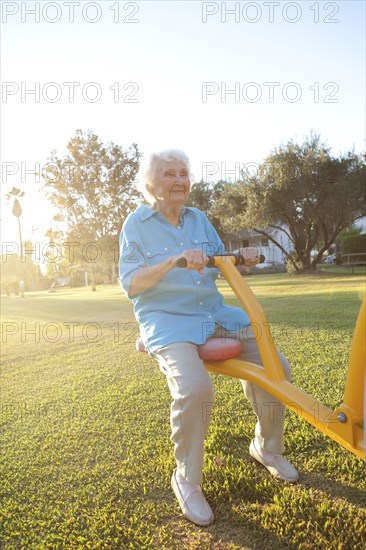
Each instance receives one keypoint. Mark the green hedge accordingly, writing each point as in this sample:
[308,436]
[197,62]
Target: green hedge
[274,268]
[353,245]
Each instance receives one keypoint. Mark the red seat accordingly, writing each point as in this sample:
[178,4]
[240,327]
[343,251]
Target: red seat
[215,349]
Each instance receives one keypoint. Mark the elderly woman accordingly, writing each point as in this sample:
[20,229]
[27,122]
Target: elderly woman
[179,309]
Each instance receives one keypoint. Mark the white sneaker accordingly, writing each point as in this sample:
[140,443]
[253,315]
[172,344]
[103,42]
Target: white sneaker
[195,507]
[277,465]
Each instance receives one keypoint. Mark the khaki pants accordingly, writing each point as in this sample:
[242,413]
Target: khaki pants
[191,389]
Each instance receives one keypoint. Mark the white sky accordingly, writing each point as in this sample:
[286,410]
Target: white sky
[169,52]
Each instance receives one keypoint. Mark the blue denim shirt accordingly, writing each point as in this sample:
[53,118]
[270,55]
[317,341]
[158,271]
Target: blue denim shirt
[184,305]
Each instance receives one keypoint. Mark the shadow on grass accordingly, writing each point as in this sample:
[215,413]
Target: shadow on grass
[237,525]
[333,489]
[237,528]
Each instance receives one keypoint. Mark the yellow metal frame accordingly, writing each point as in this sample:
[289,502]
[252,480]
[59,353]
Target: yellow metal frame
[346,424]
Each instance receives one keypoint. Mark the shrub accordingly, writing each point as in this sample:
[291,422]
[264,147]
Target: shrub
[273,268]
[353,245]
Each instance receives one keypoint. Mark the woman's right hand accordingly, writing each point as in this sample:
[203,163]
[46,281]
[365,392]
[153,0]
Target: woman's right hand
[196,259]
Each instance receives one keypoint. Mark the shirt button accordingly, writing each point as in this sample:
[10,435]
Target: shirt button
[180,244]
[198,282]
[201,303]
[196,240]
[149,253]
[165,249]
[178,227]
[210,316]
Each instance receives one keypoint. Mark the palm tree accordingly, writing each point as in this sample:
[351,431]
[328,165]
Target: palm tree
[17,194]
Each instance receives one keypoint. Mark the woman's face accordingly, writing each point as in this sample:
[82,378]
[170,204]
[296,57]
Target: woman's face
[171,184]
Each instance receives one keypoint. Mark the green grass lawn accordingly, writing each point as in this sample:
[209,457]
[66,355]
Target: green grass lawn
[86,456]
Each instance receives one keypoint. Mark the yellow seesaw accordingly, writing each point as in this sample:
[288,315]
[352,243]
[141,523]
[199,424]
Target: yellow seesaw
[346,424]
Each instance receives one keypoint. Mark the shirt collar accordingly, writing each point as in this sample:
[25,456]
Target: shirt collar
[146,212]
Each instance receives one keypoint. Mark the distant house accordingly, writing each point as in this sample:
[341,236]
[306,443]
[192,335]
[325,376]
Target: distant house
[272,252]
[265,246]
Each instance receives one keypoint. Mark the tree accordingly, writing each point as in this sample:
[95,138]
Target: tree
[204,195]
[15,268]
[302,191]
[17,194]
[57,264]
[93,189]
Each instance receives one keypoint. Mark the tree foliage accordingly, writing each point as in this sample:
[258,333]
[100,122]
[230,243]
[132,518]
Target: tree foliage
[93,185]
[303,191]
[15,193]
[204,195]
[93,189]
[16,268]
[17,211]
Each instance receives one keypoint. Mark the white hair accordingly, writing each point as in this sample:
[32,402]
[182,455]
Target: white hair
[150,166]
